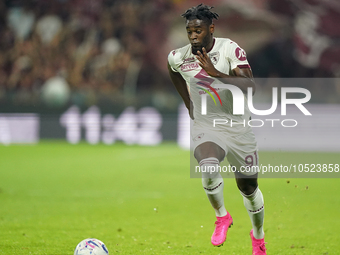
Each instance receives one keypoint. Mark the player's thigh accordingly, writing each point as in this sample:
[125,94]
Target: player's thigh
[247,184]
[209,149]
[246,170]
[243,153]
[207,143]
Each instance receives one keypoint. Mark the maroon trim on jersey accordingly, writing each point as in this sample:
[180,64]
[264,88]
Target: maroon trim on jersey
[243,66]
[212,46]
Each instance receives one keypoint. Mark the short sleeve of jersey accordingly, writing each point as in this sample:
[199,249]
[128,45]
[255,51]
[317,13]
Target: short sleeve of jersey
[171,60]
[236,56]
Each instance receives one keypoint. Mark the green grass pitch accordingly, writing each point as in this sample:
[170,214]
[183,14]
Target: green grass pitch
[141,200]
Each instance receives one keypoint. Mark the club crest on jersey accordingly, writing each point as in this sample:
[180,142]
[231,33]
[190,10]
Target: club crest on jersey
[214,57]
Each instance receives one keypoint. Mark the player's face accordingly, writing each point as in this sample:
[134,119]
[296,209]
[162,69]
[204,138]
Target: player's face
[199,34]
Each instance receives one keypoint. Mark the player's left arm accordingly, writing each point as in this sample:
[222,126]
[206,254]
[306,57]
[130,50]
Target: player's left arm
[242,77]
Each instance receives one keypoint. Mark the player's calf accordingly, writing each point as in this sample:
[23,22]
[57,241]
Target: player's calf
[254,204]
[213,185]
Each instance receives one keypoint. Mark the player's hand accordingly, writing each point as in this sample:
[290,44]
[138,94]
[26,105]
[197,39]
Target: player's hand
[205,63]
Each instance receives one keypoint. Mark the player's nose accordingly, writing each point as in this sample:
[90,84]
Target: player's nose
[193,37]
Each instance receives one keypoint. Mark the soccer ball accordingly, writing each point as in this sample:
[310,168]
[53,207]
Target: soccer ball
[91,246]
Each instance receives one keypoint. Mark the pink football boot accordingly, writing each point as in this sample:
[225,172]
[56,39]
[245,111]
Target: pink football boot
[259,247]
[220,233]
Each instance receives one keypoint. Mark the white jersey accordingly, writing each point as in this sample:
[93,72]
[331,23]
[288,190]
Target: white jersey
[225,55]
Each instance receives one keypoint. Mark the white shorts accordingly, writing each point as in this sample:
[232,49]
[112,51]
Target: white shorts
[241,150]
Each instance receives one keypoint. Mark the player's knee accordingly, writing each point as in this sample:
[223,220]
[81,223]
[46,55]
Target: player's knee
[247,185]
[209,150]
[247,189]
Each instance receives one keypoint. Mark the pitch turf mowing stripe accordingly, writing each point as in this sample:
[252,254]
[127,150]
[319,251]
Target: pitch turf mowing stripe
[140,200]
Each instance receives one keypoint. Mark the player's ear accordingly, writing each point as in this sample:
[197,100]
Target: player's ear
[211,28]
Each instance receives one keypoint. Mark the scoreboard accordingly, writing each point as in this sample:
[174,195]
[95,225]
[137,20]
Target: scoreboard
[147,126]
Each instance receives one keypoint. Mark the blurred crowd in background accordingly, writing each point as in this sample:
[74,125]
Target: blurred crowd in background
[84,52]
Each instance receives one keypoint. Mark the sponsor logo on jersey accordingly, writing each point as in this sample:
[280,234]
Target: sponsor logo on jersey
[189,66]
[214,57]
[205,91]
[206,81]
[240,54]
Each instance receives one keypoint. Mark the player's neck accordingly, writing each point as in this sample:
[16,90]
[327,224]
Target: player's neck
[210,45]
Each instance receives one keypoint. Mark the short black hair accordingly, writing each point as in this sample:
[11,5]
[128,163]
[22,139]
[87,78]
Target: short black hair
[201,12]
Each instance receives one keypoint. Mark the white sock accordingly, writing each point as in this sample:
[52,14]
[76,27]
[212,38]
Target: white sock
[213,184]
[255,206]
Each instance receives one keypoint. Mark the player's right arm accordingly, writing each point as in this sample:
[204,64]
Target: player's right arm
[181,88]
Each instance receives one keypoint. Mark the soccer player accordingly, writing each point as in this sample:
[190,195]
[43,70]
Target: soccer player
[199,68]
